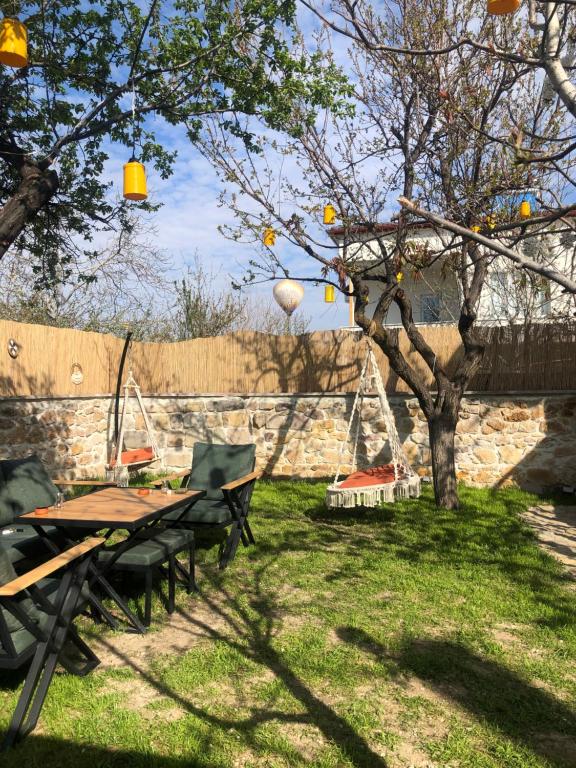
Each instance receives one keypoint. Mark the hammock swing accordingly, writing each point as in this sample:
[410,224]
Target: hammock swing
[122,459]
[135,457]
[384,483]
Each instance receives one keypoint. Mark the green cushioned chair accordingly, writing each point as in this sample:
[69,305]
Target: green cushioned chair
[37,609]
[147,554]
[24,485]
[226,473]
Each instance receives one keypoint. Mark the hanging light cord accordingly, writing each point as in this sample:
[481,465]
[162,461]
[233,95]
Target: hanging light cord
[133,67]
[133,120]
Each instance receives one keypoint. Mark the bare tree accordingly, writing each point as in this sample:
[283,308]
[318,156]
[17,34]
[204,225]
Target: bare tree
[202,309]
[540,41]
[124,283]
[427,127]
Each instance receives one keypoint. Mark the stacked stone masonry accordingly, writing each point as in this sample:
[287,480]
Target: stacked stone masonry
[528,440]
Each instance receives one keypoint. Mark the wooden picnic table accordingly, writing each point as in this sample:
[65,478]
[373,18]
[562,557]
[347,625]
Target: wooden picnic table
[109,510]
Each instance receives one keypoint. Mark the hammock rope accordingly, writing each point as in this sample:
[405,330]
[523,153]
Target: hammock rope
[125,459]
[397,479]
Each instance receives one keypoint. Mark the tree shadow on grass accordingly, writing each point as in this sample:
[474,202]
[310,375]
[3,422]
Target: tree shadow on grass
[524,713]
[248,623]
[41,751]
[487,532]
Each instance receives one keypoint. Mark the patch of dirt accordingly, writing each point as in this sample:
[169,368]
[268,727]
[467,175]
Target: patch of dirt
[410,756]
[557,747]
[555,529]
[307,739]
[415,687]
[182,631]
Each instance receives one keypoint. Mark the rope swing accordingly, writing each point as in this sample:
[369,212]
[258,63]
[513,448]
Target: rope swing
[384,483]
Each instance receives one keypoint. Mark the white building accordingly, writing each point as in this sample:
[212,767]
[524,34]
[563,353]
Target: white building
[510,295]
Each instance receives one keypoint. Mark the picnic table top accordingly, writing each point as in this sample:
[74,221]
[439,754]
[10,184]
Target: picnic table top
[112,507]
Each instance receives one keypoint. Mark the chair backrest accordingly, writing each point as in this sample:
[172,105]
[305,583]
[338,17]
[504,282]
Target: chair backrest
[24,485]
[213,465]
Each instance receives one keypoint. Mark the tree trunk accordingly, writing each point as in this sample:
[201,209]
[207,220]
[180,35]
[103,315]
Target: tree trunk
[442,429]
[35,190]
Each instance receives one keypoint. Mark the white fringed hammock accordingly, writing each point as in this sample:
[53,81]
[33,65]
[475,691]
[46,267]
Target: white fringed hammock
[385,483]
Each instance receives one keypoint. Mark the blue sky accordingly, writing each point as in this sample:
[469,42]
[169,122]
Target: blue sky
[187,223]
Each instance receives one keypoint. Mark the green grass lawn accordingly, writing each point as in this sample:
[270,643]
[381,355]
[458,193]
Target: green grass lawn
[404,636]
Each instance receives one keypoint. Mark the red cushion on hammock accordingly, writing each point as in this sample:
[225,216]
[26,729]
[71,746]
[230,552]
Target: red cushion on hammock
[372,476]
[136,456]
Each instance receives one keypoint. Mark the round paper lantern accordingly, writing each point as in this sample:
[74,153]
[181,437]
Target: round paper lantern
[269,237]
[288,294]
[13,43]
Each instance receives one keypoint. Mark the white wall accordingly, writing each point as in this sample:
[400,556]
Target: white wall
[508,296]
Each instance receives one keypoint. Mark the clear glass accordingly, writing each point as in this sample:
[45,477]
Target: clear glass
[59,500]
[122,477]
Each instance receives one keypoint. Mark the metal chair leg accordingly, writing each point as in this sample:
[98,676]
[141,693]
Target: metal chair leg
[148,598]
[192,586]
[41,671]
[249,531]
[171,583]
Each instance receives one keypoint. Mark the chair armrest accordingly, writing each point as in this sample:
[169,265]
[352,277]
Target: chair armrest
[175,476]
[46,569]
[241,481]
[95,483]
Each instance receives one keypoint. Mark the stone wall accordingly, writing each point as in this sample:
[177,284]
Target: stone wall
[527,440]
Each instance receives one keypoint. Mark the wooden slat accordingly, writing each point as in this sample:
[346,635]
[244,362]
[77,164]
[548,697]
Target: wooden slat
[241,481]
[94,483]
[51,566]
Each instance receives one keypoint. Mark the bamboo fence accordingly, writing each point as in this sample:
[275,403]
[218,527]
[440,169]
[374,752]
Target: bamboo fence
[539,358]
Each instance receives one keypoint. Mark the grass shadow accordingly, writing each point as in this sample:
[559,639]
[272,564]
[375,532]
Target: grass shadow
[526,714]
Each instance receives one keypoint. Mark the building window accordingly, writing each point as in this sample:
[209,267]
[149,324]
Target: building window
[430,308]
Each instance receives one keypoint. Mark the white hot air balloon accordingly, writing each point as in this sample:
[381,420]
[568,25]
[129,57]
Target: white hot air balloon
[288,294]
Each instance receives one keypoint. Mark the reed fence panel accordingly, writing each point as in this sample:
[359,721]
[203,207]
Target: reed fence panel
[539,358]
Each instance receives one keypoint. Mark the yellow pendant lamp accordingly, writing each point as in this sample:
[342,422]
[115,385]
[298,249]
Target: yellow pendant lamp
[134,180]
[525,209]
[329,214]
[500,7]
[329,294]
[13,43]
[269,237]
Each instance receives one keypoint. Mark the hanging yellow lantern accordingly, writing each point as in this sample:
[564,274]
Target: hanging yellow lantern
[134,180]
[525,209]
[329,294]
[490,222]
[269,237]
[500,7]
[475,228]
[399,276]
[13,43]
[329,214]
